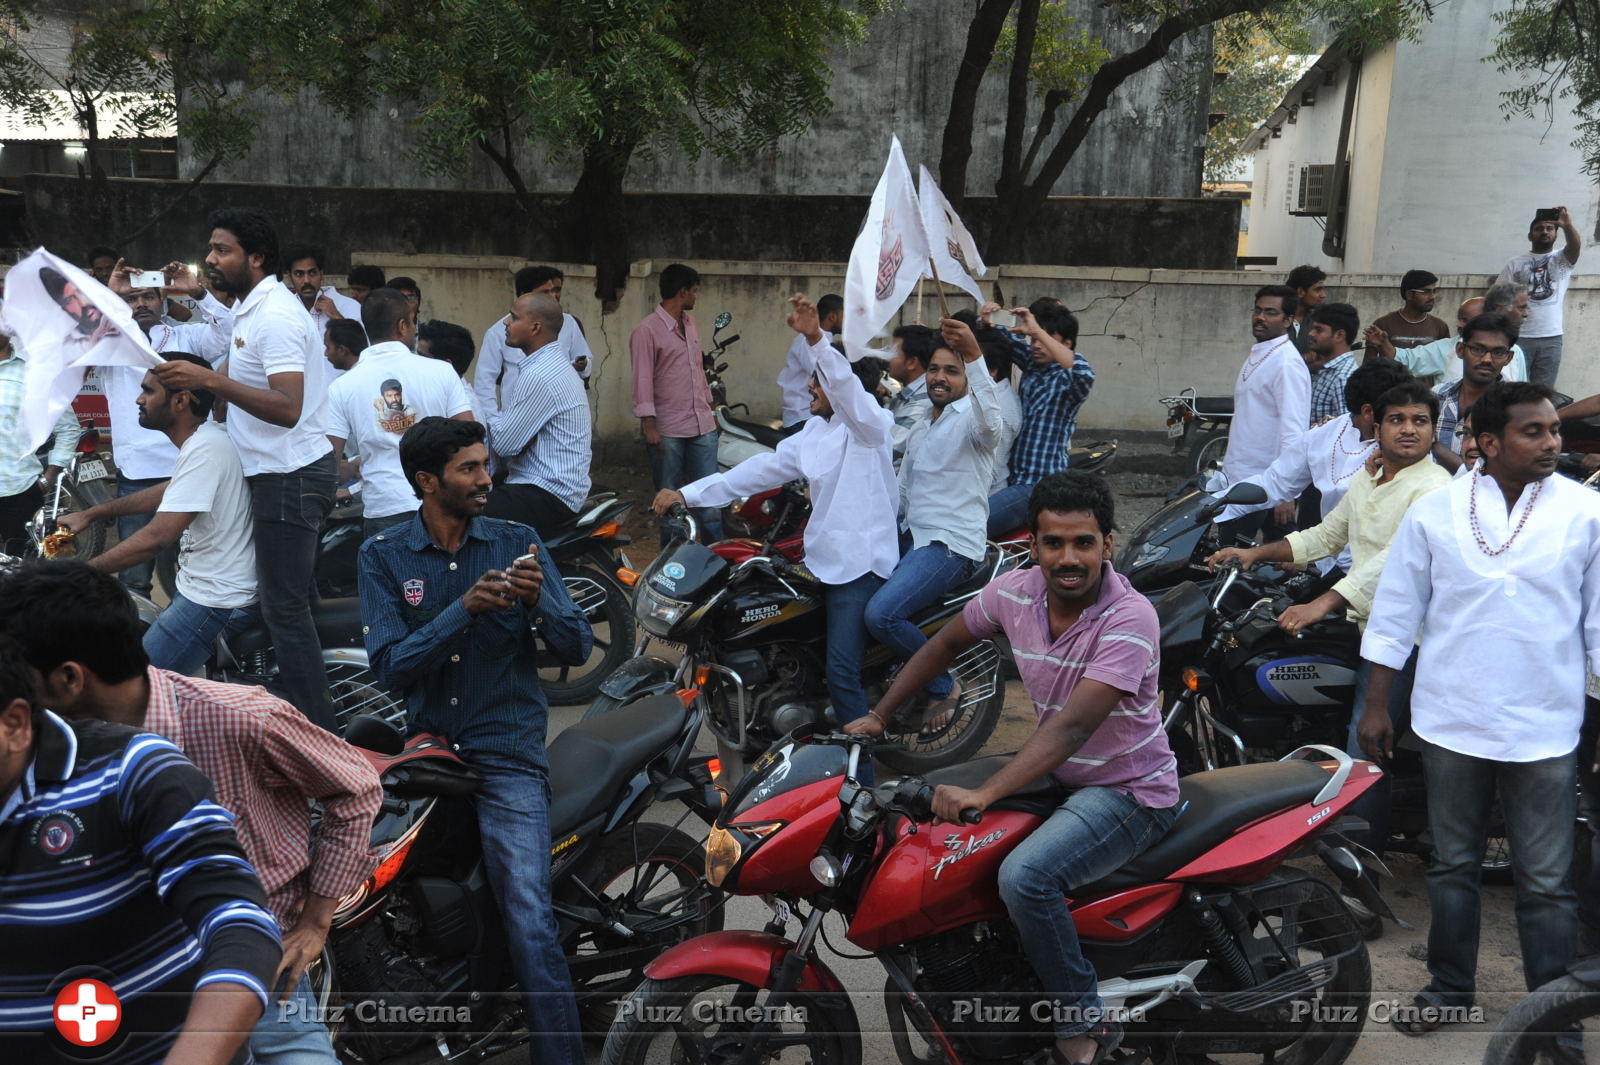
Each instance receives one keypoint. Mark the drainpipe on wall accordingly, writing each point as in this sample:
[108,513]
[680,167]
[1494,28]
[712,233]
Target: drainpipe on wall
[1333,242]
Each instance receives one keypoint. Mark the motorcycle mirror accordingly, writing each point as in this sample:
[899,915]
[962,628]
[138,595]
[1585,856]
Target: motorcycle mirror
[722,321]
[1244,493]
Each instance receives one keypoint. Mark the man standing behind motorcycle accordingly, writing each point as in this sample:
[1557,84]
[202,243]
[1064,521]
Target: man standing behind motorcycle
[1086,645]
[851,541]
[461,649]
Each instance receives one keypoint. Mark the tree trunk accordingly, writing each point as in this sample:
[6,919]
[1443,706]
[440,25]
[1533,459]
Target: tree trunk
[956,150]
[593,228]
[1011,176]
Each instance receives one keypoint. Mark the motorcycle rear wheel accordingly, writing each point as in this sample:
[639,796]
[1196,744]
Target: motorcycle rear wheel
[677,1020]
[609,608]
[642,876]
[1208,450]
[1530,1026]
[980,671]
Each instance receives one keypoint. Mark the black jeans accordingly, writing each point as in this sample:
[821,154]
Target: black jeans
[15,513]
[532,506]
[371,527]
[289,511]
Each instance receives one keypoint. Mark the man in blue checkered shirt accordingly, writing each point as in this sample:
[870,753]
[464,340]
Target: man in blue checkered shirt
[1332,329]
[1055,382]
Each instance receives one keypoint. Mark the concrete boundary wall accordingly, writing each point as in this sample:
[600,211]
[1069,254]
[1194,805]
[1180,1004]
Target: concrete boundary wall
[1148,333]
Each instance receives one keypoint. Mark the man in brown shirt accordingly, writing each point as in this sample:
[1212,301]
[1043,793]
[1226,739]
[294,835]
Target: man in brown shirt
[1412,324]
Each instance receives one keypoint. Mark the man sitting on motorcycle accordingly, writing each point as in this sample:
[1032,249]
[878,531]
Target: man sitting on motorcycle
[1086,644]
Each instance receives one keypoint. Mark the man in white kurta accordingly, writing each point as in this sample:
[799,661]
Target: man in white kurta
[1499,573]
[1271,396]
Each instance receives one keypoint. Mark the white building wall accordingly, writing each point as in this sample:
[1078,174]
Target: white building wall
[1309,139]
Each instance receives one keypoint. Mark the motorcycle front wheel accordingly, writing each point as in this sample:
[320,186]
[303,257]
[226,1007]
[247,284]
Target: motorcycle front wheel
[980,672]
[708,1018]
[609,608]
[1532,1024]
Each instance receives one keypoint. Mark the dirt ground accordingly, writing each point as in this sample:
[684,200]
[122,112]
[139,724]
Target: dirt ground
[1145,470]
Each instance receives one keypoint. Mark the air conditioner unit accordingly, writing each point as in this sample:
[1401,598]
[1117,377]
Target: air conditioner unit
[1314,190]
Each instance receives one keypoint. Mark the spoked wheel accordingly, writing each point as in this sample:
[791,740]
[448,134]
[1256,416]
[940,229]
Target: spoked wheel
[704,1019]
[647,881]
[609,608]
[1209,450]
[982,696]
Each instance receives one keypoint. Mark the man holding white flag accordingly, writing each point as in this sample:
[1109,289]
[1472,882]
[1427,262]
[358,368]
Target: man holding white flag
[952,250]
[889,257]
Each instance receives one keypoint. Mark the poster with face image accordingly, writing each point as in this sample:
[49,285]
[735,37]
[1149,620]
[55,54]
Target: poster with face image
[66,322]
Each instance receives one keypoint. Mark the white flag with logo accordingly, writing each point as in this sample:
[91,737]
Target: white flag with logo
[889,257]
[954,252]
[66,322]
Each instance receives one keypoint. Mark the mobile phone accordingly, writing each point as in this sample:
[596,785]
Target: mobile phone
[147,279]
[531,559]
[1003,319]
[1547,214]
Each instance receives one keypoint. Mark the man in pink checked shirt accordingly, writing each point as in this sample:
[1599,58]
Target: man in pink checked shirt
[670,396]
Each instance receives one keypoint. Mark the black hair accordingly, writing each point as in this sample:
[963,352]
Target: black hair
[295,252]
[1303,277]
[382,312]
[406,282]
[101,251]
[968,317]
[67,611]
[531,277]
[829,304]
[1044,303]
[201,400]
[370,276]
[1072,490]
[1490,322]
[1341,318]
[676,277]
[428,446]
[1291,298]
[253,229]
[348,333]
[448,341]
[1058,321]
[1371,380]
[16,679]
[391,385]
[1492,413]
[1405,394]
[996,356]
[1415,279]
[54,281]
[917,342]
[869,371]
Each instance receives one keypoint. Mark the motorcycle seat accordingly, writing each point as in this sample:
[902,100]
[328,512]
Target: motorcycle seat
[1040,797]
[762,432]
[1212,807]
[338,624]
[593,759]
[1214,406]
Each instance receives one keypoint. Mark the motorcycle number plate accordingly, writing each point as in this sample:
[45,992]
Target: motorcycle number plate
[1174,430]
[91,470]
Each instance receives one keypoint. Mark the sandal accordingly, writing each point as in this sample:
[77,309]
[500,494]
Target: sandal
[1107,1038]
[1423,1019]
[938,714]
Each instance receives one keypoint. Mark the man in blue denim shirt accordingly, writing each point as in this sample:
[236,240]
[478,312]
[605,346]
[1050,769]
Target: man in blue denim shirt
[451,613]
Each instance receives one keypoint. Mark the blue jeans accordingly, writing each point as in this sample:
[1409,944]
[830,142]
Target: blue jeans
[1544,358]
[185,634]
[165,565]
[923,576]
[1008,509]
[1539,800]
[513,807]
[291,1033]
[1093,834]
[847,642]
[1374,806]
[371,527]
[680,460]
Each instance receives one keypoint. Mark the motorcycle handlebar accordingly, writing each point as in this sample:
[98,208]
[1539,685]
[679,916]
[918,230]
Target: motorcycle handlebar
[918,804]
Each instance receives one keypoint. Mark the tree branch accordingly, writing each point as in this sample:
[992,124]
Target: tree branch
[205,172]
[956,150]
[1011,173]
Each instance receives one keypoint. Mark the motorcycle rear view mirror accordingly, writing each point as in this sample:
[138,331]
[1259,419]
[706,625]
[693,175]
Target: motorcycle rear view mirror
[722,321]
[1244,494]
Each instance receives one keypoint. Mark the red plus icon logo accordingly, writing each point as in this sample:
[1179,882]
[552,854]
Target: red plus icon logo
[87,1013]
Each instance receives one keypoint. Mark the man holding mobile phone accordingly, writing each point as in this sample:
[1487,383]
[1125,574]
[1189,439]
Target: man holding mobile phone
[1547,274]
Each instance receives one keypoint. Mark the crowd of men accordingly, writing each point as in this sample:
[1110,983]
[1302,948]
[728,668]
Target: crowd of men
[1434,510]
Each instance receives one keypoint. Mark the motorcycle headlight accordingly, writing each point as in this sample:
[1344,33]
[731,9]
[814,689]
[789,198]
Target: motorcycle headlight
[726,846]
[660,612]
[1148,555]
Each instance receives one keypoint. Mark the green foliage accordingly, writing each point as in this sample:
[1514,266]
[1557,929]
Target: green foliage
[1553,46]
[1064,57]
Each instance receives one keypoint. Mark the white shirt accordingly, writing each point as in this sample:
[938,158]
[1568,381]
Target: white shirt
[1271,407]
[1505,639]
[1010,426]
[1547,276]
[273,334]
[848,461]
[795,378]
[217,553]
[347,307]
[360,409]
[499,362]
[947,469]
[146,454]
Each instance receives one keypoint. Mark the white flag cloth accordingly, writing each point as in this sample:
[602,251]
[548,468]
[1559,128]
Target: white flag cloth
[954,252]
[67,322]
[890,254]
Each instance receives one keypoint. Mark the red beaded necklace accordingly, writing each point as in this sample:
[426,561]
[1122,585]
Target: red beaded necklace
[1477,531]
[1338,448]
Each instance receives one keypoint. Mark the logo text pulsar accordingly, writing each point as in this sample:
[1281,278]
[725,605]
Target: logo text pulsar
[960,848]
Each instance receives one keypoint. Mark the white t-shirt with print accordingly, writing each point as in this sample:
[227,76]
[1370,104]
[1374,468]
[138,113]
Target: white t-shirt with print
[1547,277]
[367,409]
[217,554]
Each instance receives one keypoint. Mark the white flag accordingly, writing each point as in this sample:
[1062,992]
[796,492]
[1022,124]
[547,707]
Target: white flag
[66,322]
[890,255]
[954,252]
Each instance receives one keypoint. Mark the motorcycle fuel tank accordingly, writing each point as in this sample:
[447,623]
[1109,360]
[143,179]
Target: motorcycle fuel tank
[764,612]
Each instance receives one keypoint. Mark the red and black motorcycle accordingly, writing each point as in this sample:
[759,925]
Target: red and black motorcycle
[1206,943]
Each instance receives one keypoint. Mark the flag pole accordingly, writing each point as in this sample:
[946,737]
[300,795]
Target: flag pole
[938,288]
[920,282]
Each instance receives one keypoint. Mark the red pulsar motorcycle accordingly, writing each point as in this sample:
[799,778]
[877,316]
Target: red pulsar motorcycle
[1204,944]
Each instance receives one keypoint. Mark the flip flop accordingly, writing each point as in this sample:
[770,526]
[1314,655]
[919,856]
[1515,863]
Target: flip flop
[1107,1038]
[1426,1022]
